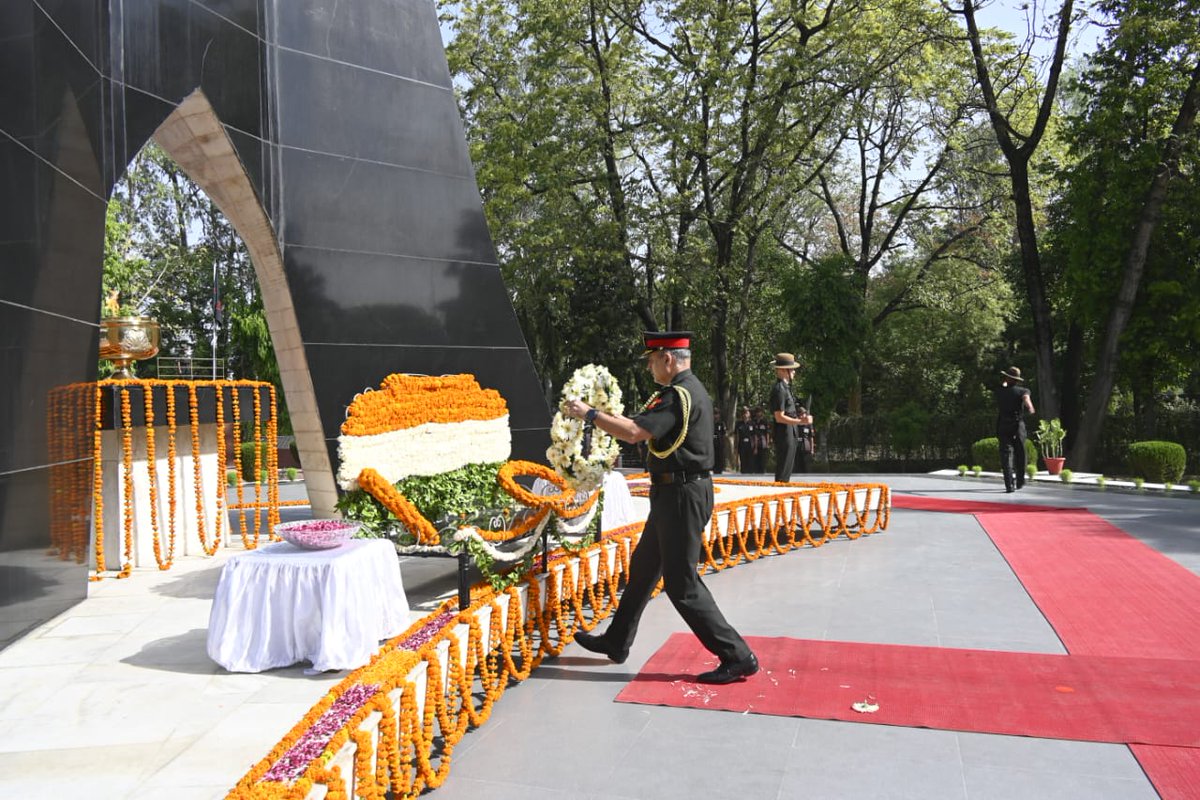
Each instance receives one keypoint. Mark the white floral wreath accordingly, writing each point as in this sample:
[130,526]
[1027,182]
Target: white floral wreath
[594,385]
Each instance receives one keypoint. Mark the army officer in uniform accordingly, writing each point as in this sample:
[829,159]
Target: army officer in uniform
[677,425]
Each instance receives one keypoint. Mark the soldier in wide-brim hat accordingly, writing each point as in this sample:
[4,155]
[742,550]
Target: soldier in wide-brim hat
[782,407]
[1012,401]
[785,361]
[677,425]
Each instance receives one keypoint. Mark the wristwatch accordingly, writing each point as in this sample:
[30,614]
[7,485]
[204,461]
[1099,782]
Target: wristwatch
[590,416]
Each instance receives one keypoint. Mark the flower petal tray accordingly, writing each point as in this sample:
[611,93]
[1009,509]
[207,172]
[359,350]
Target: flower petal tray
[317,534]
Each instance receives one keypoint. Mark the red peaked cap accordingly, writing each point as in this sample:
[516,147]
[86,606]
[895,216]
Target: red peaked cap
[666,340]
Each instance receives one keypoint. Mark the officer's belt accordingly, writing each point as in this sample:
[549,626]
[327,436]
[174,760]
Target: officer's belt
[660,478]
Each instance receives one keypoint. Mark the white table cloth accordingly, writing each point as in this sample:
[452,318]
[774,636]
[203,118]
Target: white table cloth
[618,503]
[280,605]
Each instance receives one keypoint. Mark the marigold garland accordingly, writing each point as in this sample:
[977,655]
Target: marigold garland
[69,432]
[171,466]
[509,470]
[197,478]
[127,464]
[258,465]
[394,501]
[222,493]
[273,461]
[406,759]
[237,454]
[406,401]
[98,487]
[88,400]
[164,563]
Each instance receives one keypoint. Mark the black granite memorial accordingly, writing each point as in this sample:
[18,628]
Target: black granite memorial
[350,158]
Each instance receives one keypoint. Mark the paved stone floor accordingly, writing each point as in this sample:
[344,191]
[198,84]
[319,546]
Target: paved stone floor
[116,698]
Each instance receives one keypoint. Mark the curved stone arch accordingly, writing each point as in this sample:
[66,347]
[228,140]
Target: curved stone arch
[194,137]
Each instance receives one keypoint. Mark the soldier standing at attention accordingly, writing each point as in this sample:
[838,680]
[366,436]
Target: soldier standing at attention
[783,410]
[677,424]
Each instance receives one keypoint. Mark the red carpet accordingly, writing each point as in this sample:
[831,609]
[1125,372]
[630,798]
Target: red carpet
[1105,592]
[1088,698]
[1116,604]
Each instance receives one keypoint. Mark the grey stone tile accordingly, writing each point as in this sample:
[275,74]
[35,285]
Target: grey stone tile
[981,750]
[883,743]
[458,788]
[553,749]
[661,767]
[1015,783]
[870,774]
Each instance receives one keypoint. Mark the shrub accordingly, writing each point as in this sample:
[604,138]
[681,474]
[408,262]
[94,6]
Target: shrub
[1138,483]
[976,470]
[1160,462]
[1168,486]
[1067,476]
[1194,485]
[1031,470]
[1100,481]
[231,477]
[247,453]
[292,472]
[987,453]
[962,469]
[262,476]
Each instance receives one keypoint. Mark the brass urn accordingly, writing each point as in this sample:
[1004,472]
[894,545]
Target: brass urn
[124,340]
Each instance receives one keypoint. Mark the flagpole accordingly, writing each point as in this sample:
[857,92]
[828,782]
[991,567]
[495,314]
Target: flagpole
[216,321]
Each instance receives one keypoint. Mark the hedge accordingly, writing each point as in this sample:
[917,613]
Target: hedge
[986,453]
[248,460]
[1160,462]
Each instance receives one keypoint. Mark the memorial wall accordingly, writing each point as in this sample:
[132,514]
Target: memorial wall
[328,132]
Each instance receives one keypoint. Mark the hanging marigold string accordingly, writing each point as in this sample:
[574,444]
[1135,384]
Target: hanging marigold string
[127,471]
[241,473]
[273,458]
[218,521]
[171,466]
[164,562]
[79,408]
[98,485]
[197,478]
[69,431]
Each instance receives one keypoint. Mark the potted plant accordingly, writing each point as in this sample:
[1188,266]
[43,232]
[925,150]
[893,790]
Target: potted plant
[1050,435]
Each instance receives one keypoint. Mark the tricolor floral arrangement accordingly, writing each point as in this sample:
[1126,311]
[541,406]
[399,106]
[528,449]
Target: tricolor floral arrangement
[425,462]
[421,425]
[594,385]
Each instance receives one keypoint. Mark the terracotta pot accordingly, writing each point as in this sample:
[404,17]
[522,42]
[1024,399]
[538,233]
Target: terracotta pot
[1054,465]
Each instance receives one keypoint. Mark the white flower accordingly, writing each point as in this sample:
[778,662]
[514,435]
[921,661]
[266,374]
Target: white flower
[594,385]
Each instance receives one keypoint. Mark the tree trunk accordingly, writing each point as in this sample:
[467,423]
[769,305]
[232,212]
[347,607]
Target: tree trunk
[1135,267]
[720,320]
[1071,389]
[1035,290]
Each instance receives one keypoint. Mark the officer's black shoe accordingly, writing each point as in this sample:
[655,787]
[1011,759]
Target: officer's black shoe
[731,672]
[598,644]
[1009,489]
